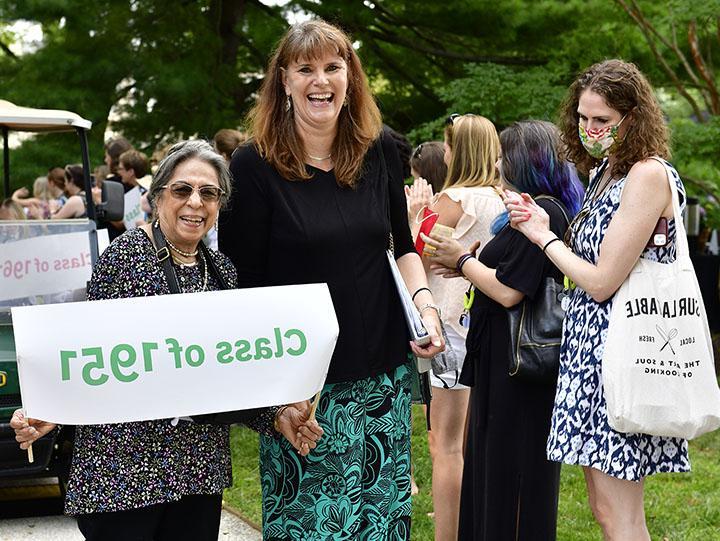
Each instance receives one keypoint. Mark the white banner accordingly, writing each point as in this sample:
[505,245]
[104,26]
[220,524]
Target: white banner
[45,265]
[182,354]
[133,212]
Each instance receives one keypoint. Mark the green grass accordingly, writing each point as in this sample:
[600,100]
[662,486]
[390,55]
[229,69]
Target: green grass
[682,507]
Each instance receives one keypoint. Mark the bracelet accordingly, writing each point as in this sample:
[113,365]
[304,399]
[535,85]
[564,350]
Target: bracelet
[278,413]
[461,261]
[429,305]
[418,290]
[548,243]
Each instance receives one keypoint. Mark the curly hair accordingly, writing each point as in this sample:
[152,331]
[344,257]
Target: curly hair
[625,89]
[273,128]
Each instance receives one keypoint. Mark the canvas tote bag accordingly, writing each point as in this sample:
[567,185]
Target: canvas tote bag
[657,367]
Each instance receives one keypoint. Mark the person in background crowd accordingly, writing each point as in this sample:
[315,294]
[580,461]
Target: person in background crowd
[132,166]
[44,201]
[56,180]
[163,479]
[76,205]
[312,190]
[509,488]
[113,149]
[612,126]
[469,202]
[100,173]
[226,141]
[10,210]
[427,161]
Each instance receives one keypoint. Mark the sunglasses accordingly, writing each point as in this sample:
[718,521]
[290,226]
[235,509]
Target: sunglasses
[449,121]
[417,153]
[183,191]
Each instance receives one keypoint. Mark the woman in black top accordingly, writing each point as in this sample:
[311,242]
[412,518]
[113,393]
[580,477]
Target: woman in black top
[310,204]
[509,488]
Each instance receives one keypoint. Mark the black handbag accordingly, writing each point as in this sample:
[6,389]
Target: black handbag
[536,330]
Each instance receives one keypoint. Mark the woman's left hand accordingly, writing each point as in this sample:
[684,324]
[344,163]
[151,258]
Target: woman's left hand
[447,251]
[298,428]
[431,321]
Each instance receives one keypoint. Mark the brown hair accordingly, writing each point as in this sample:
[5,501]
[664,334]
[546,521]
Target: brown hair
[226,141]
[427,160]
[114,147]
[475,148]
[273,128]
[625,89]
[56,176]
[135,160]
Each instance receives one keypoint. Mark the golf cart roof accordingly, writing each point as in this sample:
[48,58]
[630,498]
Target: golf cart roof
[17,118]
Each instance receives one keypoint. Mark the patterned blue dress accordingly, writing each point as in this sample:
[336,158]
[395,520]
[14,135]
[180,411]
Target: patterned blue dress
[580,433]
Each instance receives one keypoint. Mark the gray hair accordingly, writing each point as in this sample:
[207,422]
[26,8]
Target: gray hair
[183,151]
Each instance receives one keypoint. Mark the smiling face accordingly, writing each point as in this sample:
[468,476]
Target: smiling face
[186,220]
[317,89]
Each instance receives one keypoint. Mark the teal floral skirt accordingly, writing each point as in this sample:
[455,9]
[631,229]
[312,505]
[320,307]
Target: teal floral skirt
[356,483]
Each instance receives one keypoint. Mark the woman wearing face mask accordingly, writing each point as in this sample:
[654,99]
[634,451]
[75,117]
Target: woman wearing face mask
[611,122]
[319,188]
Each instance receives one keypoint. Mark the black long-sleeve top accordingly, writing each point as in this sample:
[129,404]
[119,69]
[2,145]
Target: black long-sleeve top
[281,232]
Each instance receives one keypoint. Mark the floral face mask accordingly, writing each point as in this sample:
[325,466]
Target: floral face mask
[598,142]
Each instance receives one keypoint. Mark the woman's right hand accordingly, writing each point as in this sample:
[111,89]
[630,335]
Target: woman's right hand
[418,195]
[298,427]
[28,430]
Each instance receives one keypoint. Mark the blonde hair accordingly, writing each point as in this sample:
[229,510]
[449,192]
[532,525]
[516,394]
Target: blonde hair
[41,189]
[475,147]
[273,128]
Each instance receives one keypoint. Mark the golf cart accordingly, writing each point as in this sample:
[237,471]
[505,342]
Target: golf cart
[42,262]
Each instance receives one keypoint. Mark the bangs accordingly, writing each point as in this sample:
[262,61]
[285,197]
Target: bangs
[314,43]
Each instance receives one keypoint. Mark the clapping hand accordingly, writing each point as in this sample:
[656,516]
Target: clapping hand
[418,195]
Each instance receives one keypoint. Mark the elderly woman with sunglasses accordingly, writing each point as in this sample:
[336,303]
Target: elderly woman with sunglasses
[163,479]
[319,187]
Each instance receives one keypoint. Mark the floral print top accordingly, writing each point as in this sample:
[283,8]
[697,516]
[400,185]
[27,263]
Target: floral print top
[125,466]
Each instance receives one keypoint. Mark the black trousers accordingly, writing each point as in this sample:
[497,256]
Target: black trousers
[192,518]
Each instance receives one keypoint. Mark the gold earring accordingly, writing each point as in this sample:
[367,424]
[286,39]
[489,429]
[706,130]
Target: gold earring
[217,223]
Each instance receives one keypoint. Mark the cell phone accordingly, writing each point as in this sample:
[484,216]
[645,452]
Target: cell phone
[659,237]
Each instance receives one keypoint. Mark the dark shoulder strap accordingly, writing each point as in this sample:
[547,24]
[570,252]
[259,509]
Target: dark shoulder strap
[163,254]
[559,205]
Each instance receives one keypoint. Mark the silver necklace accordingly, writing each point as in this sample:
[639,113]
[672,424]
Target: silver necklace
[317,159]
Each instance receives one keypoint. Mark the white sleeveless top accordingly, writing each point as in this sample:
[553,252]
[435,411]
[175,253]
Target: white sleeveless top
[480,205]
